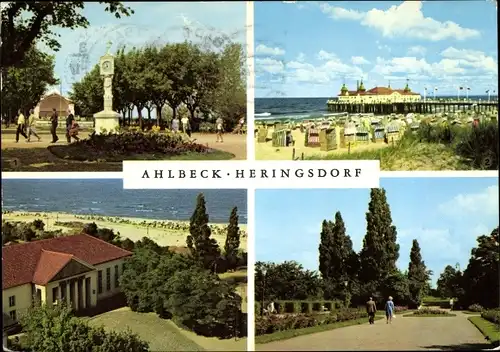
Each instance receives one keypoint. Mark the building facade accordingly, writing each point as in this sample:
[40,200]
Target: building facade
[377,95]
[79,270]
[54,100]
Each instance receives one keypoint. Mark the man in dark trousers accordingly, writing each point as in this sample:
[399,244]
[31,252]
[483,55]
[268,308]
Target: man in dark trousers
[371,309]
[69,122]
[54,120]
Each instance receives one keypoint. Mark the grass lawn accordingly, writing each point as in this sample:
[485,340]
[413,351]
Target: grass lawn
[161,334]
[288,334]
[407,157]
[239,278]
[468,312]
[490,331]
[41,159]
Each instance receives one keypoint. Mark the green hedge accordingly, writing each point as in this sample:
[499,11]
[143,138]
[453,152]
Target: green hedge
[306,306]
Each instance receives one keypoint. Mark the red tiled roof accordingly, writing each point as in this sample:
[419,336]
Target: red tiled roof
[23,263]
[378,91]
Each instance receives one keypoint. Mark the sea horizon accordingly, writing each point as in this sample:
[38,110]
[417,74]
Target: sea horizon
[108,198]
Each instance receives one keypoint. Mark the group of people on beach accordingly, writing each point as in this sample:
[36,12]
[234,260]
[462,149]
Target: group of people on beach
[371,309]
[26,127]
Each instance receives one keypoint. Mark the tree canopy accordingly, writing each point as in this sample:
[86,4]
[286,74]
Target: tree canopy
[26,22]
[208,84]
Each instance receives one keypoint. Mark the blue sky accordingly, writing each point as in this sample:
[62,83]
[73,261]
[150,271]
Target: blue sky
[153,22]
[445,215]
[308,49]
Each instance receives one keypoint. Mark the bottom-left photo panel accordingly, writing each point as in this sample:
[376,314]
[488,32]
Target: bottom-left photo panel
[87,263]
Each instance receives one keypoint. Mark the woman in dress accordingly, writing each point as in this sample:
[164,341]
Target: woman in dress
[389,310]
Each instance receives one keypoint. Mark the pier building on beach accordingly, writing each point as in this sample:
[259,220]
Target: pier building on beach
[377,95]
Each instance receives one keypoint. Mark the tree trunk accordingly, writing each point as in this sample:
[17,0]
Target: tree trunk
[139,112]
[158,115]
[149,113]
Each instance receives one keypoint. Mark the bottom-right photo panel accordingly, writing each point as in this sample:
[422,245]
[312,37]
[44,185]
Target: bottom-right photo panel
[412,265]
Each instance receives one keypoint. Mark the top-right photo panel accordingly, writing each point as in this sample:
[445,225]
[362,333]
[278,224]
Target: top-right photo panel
[413,84]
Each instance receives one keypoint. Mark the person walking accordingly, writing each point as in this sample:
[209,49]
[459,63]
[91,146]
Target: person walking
[175,125]
[54,120]
[371,309]
[389,310]
[451,303]
[219,128]
[69,124]
[21,123]
[185,125]
[73,131]
[30,130]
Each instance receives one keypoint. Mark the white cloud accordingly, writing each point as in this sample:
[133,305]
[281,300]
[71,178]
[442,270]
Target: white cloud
[404,20]
[417,50]
[301,57]
[472,58]
[266,50]
[484,202]
[324,55]
[463,63]
[359,60]
[269,65]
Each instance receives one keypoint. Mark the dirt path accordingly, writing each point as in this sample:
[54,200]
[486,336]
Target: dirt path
[405,333]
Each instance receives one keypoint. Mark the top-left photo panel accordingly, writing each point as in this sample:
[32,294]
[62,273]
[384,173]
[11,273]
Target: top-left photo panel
[88,85]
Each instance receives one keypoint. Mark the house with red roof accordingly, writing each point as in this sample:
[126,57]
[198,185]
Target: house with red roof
[80,270]
[377,95]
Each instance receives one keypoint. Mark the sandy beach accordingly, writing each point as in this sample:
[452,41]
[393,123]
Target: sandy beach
[266,151]
[163,232]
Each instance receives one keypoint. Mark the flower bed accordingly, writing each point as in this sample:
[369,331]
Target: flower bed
[430,311]
[492,315]
[475,308]
[127,145]
[273,323]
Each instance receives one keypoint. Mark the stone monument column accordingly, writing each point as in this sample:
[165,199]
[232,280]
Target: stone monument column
[107,121]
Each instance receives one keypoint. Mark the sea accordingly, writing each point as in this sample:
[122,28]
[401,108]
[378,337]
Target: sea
[108,198]
[308,108]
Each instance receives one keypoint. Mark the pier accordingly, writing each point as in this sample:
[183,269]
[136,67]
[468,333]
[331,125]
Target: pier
[429,107]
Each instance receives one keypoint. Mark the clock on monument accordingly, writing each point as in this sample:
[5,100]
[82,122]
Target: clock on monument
[106,67]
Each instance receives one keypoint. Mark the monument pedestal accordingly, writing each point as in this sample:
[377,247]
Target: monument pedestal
[107,121]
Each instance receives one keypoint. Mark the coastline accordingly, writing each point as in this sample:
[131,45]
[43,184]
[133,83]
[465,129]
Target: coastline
[163,232]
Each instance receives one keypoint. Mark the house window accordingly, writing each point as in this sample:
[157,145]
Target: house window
[63,291]
[12,301]
[55,294]
[13,315]
[116,276]
[108,279]
[99,281]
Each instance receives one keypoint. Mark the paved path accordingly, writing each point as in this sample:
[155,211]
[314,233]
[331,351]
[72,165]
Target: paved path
[233,143]
[405,333]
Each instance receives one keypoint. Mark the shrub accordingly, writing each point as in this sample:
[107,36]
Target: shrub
[492,315]
[428,311]
[475,308]
[207,127]
[399,309]
[480,145]
[114,147]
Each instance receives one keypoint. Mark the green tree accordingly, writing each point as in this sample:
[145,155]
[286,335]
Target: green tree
[448,284]
[480,279]
[418,275]
[27,22]
[286,281]
[55,329]
[203,302]
[26,84]
[203,247]
[337,258]
[232,244]
[380,250]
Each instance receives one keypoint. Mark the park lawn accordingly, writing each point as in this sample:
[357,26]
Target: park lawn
[468,312]
[490,331]
[288,334]
[41,159]
[161,334]
[239,277]
[407,157]
[429,315]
